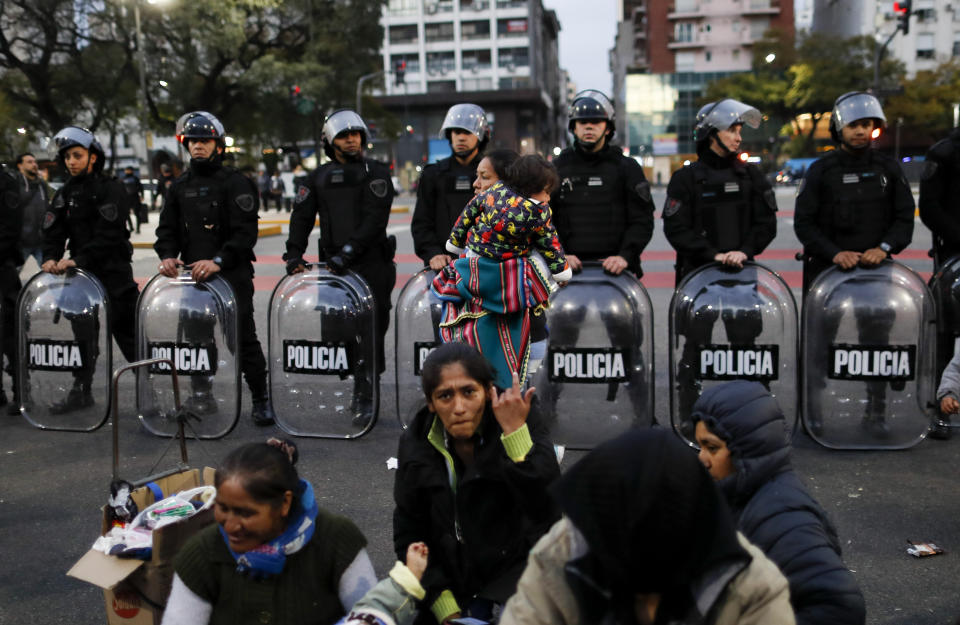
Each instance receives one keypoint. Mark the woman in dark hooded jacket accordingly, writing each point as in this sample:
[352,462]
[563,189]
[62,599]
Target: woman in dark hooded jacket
[743,444]
[646,539]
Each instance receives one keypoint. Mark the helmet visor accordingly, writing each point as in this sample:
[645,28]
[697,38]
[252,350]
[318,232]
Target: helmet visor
[71,136]
[857,106]
[469,117]
[591,104]
[343,121]
[728,112]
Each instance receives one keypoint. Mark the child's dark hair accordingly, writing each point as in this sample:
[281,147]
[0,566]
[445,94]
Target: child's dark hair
[266,470]
[530,174]
[474,363]
[501,160]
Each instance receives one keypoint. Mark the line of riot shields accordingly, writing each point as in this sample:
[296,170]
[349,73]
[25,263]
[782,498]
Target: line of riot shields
[857,368]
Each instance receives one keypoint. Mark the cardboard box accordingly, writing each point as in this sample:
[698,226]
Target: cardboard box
[136,590]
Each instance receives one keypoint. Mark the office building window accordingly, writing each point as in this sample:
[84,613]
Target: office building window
[511,4]
[683,32]
[519,82]
[403,34]
[685,61]
[514,57]
[431,7]
[475,59]
[477,84]
[478,29]
[403,7]
[438,32]
[925,46]
[474,5]
[441,86]
[440,63]
[956,44]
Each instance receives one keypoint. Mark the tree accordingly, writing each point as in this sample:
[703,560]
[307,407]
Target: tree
[65,62]
[926,103]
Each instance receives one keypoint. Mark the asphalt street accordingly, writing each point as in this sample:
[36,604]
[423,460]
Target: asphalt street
[52,483]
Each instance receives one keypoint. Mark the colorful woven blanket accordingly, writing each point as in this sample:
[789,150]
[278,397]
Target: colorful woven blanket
[487,303]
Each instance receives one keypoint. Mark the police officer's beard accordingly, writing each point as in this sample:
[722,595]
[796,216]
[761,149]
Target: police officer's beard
[465,154]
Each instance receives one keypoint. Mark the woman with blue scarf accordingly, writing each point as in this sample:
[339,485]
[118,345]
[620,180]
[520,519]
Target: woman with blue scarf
[273,556]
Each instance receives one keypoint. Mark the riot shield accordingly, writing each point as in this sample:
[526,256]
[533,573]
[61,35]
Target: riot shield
[65,352]
[195,325]
[596,379]
[415,329]
[322,344]
[868,348]
[945,286]
[731,324]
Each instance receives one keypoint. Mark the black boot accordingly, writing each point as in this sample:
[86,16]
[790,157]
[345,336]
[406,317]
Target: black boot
[262,413]
[940,428]
[875,418]
[201,403]
[78,398]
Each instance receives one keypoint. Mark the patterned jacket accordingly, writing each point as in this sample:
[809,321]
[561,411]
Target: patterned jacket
[500,224]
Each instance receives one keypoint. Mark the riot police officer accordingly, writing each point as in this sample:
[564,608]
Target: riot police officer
[940,211]
[352,196]
[446,186]
[209,221]
[11,257]
[718,209]
[88,216]
[602,210]
[854,207]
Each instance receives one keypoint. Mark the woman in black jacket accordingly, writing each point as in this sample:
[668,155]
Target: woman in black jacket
[474,467]
[743,444]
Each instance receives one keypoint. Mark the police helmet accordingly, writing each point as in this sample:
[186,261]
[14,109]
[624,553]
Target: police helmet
[469,117]
[343,120]
[199,125]
[722,115]
[854,106]
[591,104]
[74,135]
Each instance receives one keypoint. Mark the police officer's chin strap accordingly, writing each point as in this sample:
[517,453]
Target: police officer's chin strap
[727,152]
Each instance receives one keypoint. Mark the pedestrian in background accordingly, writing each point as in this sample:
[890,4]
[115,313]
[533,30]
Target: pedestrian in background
[35,196]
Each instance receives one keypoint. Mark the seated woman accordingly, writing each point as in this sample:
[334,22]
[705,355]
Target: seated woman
[646,538]
[472,484]
[743,444]
[272,554]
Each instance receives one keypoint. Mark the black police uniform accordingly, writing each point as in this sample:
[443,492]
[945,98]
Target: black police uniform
[89,215]
[353,203]
[940,211]
[135,190]
[444,189]
[210,213]
[602,208]
[11,257]
[853,202]
[715,205]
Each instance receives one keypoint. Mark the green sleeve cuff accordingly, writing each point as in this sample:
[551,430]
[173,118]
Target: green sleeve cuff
[518,443]
[444,606]
[407,580]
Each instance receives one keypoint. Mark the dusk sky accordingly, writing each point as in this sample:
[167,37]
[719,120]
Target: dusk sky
[587,30]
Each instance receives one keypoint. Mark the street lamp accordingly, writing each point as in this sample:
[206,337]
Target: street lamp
[770,58]
[142,58]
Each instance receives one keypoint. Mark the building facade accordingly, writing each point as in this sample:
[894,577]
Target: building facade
[499,54]
[665,54]
[934,36]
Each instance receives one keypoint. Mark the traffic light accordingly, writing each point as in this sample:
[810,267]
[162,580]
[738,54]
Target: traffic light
[399,68]
[902,9]
[294,93]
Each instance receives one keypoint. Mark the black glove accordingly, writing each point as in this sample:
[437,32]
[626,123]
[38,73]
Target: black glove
[342,260]
[294,263]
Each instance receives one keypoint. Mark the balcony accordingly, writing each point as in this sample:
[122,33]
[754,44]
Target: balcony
[761,8]
[684,9]
[673,43]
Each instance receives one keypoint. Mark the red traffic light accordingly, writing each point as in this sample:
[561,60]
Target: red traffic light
[296,90]
[901,7]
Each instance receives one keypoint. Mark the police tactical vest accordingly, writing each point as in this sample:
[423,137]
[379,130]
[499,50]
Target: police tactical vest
[340,190]
[861,202]
[204,213]
[722,200]
[593,206]
[454,190]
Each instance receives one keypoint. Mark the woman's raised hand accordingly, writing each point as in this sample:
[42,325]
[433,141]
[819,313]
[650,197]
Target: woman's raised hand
[512,406]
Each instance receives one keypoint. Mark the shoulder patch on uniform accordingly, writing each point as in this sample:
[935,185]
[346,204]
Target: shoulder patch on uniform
[671,206]
[929,169]
[109,211]
[642,189]
[245,202]
[11,199]
[379,187]
[302,194]
[48,219]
